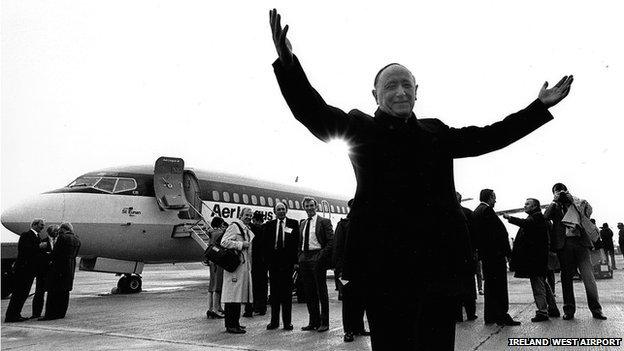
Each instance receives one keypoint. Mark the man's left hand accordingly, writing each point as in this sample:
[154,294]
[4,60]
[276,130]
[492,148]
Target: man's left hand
[551,97]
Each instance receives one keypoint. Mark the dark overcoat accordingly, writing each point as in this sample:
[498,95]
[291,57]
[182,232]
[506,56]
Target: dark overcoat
[63,267]
[529,256]
[405,212]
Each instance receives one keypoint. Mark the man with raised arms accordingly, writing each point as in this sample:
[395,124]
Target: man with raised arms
[404,171]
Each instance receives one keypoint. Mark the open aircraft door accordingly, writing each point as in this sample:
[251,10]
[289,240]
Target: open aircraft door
[192,193]
[325,209]
[169,184]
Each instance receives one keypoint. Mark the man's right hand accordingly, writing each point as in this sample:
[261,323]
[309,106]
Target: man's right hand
[282,44]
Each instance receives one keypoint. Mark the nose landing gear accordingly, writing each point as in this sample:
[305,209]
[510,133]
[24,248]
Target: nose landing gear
[129,284]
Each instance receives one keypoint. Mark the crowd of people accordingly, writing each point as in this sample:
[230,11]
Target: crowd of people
[51,260]
[562,238]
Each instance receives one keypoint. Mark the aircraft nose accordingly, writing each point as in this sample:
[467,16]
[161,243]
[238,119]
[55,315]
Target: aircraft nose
[47,206]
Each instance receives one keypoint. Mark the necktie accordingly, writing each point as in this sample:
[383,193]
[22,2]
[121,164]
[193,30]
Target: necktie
[306,240]
[280,235]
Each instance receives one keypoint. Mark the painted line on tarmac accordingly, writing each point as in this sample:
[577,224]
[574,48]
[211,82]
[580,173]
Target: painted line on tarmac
[128,336]
[499,328]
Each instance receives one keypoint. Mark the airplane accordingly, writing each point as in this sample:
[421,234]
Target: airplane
[130,216]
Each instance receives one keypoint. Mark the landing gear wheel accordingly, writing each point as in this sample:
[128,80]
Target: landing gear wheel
[129,284]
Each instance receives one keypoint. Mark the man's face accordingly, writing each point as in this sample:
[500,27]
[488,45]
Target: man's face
[310,208]
[38,227]
[529,206]
[246,217]
[280,211]
[492,200]
[395,91]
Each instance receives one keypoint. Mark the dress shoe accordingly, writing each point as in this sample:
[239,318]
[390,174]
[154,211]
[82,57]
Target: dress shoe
[488,321]
[480,292]
[35,316]
[472,318]
[323,328]
[599,315]
[309,328]
[508,321]
[210,314]
[348,337]
[242,326]
[539,318]
[567,317]
[235,330]
[272,326]
[248,315]
[15,319]
[362,333]
[289,327]
[459,320]
[554,313]
[261,313]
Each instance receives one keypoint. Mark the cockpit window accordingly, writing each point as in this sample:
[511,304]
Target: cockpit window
[106,184]
[125,184]
[84,181]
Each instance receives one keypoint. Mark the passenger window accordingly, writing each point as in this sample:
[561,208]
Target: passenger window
[344,210]
[332,208]
[297,204]
[226,196]
[270,201]
[106,184]
[254,199]
[290,204]
[125,184]
[285,202]
[262,203]
[215,195]
[246,198]
[236,199]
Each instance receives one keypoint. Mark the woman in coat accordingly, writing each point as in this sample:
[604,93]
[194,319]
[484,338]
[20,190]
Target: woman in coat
[237,286]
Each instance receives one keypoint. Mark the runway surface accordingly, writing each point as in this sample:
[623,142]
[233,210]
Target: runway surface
[170,314]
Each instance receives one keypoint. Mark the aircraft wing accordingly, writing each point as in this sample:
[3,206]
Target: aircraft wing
[515,210]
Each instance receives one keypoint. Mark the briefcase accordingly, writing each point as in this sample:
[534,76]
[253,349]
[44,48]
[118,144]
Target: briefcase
[228,259]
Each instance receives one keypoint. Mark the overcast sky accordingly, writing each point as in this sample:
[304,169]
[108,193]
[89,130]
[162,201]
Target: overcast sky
[93,84]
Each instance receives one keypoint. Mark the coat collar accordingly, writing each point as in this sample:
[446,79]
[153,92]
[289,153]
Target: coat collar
[393,122]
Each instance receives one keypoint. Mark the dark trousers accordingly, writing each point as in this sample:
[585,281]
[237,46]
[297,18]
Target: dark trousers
[496,298]
[543,296]
[23,283]
[260,290]
[57,304]
[281,294]
[550,278]
[352,308]
[314,277]
[468,298]
[611,255]
[399,320]
[38,299]
[232,314]
[479,275]
[573,256]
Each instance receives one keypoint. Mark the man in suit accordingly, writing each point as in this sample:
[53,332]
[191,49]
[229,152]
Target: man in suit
[315,256]
[606,235]
[570,219]
[61,279]
[43,268]
[529,258]
[352,292]
[404,171]
[280,252]
[494,250]
[28,247]
[468,297]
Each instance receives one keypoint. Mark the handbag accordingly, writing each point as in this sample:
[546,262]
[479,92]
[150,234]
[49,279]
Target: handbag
[228,259]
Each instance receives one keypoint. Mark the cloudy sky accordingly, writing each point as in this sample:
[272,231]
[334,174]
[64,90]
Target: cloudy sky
[94,84]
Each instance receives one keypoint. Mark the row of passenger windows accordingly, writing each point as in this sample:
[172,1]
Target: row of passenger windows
[269,201]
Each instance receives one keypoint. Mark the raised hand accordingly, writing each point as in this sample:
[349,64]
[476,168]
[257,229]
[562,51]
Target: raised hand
[282,44]
[551,97]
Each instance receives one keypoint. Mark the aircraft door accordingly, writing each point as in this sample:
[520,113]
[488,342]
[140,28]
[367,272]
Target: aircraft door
[168,183]
[192,193]
[325,208]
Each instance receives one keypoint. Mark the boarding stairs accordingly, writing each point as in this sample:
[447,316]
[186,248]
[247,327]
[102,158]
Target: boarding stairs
[198,230]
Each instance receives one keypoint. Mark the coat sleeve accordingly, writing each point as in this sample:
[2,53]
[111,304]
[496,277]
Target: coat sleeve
[337,256]
[231,238]
[307,105]
[522,223]
[475,141]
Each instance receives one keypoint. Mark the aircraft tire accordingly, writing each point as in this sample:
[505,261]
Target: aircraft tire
[130,284]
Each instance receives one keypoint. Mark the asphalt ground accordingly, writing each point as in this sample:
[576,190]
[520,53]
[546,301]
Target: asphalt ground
[170,315]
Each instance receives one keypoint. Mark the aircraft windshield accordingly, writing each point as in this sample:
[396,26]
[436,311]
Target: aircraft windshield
[107,184]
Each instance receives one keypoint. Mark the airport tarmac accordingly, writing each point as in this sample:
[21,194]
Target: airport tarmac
[170,314]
